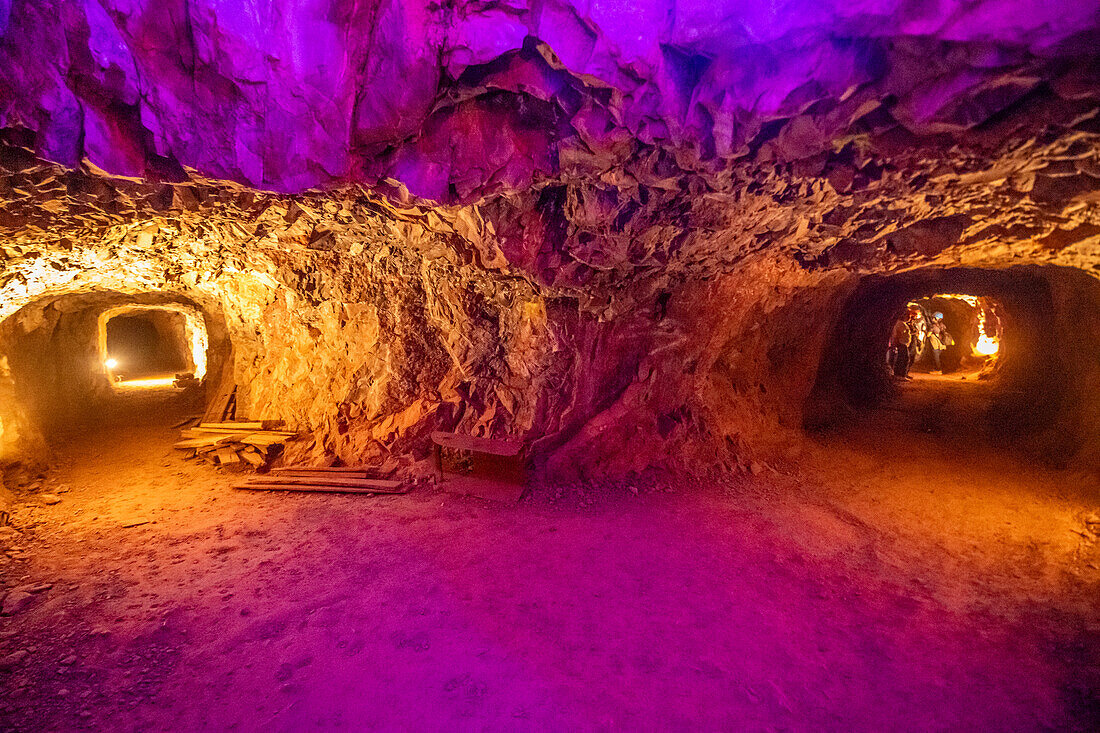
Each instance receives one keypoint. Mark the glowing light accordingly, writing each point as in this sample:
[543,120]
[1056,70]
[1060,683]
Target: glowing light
[986,346]
[111,363]
[969,299]
[146,383]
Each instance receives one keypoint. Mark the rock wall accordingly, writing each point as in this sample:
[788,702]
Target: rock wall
[455,101]
[369,325]
[629,247]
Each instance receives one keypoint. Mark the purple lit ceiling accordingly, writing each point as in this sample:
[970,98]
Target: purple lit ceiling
[460,100]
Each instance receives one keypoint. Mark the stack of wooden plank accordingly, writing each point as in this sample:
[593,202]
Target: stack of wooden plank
[325,479]
[224,443]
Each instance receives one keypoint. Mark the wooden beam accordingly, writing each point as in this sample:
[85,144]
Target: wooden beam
[313,488]
[319,469]
[227,455]
[263,440]
[219,406]
[379,485]
[198,442]
[317,476]
[231,426]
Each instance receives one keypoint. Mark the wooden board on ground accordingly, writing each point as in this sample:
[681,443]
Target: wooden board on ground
[255,425]
[262,440]
[275,435]
[227,455]
[320,469]
[484,488]
[313,488]
[323,476]
[379,485]
[197,442]
[224,442]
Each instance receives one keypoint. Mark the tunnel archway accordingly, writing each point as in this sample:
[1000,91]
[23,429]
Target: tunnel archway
[1039,393]
[59,371]
[152,342]
[967,330]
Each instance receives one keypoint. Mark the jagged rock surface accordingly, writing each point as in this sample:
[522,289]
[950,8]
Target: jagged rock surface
[602,227]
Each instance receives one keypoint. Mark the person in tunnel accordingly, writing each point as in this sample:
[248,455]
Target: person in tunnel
[918,331]
[939,338]
[900,339]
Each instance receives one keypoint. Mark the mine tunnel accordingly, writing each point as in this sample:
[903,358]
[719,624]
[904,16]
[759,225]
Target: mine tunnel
[1021,368]
[598,366]
[76,360]
[147,344]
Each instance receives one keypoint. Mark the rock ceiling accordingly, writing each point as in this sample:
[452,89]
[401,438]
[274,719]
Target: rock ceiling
[598,140]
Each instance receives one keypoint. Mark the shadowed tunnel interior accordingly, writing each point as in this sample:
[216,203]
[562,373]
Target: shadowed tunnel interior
[67,356]
[146,344]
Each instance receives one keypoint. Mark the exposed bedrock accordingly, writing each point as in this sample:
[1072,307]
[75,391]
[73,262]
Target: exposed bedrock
[631,249]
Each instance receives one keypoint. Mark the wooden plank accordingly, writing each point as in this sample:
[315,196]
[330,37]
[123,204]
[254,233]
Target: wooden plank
[314,488]
[322,477]
[197,443]
[219,406]
[200,432]
[231,425]
[495,446]
[227,455]
[376,484]
[319,469]
[262,440]
[250,455]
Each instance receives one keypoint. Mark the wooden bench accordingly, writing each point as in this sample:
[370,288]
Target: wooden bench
[492,468]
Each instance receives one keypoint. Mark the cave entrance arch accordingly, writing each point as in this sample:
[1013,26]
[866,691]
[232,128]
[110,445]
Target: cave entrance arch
[1038,393]
[152,344]
[54,371]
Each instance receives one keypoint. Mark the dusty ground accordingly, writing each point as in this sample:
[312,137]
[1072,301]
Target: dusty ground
[918,584]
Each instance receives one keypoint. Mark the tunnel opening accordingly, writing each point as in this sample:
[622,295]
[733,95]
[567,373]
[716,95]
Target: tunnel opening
[954,336]
[1022,366]
[152,346]
[73,360]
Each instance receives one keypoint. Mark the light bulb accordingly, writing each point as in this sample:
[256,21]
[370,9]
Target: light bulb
[111,363]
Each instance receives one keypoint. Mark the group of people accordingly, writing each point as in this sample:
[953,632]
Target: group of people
[911,335]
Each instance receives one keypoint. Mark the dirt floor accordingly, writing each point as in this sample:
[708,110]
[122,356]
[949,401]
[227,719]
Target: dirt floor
[914,583]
